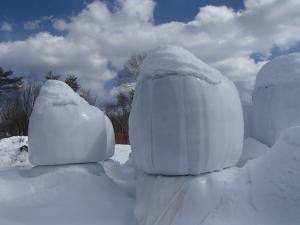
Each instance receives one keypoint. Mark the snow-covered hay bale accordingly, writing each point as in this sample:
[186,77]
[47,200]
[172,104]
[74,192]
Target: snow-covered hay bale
[276,98]
[64,128]
[186,117]
[110,134]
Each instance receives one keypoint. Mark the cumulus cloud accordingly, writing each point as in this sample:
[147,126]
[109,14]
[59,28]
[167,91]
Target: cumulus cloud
[98,39]
[5,26]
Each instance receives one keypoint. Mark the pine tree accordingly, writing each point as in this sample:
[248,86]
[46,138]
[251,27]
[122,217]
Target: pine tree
[8,83]
[50,76]
[71,80]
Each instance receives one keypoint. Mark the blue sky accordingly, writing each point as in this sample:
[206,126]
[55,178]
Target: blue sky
[18,12]
[88,38]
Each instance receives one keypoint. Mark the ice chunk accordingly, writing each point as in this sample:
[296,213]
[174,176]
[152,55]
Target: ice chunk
[64,128]
[276,98]
[110,134]
[186,117]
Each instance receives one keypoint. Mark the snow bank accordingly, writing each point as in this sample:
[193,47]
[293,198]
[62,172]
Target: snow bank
[11,154]
[186,117]
[276,98]
[110,135]
[74,194]
[64,128]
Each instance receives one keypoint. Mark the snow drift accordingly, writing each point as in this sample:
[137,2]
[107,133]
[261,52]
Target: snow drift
[64,128]
[276,98]
[264,191]
[186,117]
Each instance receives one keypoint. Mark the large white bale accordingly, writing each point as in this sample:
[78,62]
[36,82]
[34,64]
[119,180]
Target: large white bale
[64,128]
[276,98]
[110,134]
[186,117]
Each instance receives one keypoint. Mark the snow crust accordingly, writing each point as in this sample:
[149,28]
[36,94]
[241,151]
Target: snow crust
[110,135]
[64,128]
[182,123]
[276,98]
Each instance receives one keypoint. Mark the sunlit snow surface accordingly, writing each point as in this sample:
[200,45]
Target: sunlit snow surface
[76,194]
[263,191]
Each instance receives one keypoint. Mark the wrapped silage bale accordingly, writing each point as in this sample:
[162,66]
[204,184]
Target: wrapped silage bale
[186,117]
[276,98]
[64,128]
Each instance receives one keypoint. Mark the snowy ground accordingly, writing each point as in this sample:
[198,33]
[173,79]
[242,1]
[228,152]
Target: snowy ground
[75,194]
[263,189]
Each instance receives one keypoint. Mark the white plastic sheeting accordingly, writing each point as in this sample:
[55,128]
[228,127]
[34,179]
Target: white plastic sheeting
[64,128]
[110,134]
[186,117]
[276,98]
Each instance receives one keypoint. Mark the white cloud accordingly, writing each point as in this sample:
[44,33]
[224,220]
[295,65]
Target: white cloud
[5,26]
[35,24]
[97,37]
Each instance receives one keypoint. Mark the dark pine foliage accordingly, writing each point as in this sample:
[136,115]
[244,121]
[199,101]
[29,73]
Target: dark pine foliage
[7,82]
[71,80]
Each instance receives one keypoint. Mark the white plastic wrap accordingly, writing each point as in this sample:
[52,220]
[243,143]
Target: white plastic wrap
[276,98]
[110,134]
[186,117]
[64,128]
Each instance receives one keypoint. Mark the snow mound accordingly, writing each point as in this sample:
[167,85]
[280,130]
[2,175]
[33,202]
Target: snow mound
[276,180]
[10,153]
[74,194]
[110,134]
[64,128]
[176,200]
[265,191]
[276,98]
[182,123]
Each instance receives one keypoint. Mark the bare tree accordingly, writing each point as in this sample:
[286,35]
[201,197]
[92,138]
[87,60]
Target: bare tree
[16,111]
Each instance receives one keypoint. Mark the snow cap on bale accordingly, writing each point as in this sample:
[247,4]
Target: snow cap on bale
[110,134]
[64,128]
[186,117]
[276,98]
